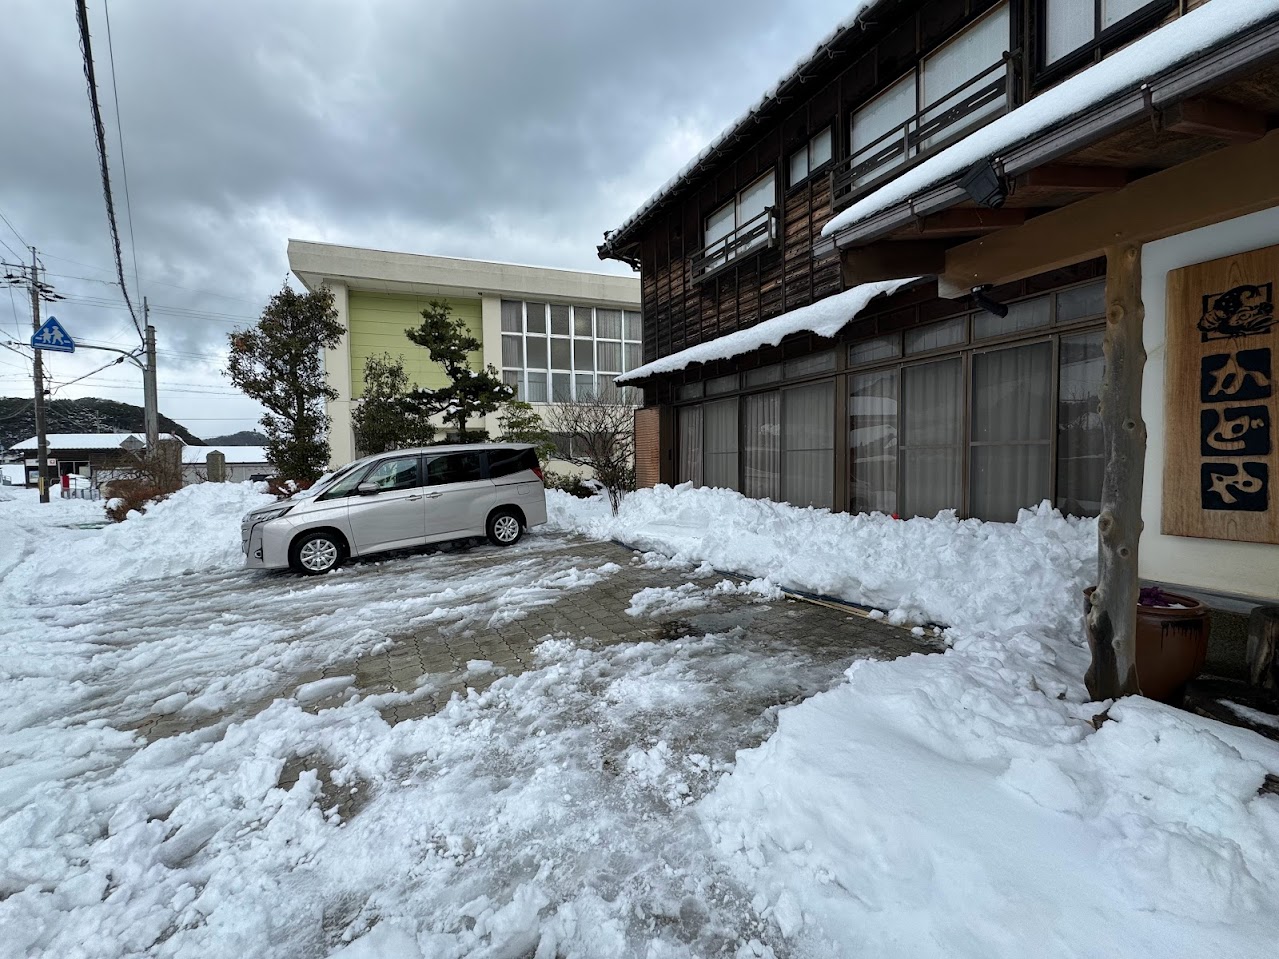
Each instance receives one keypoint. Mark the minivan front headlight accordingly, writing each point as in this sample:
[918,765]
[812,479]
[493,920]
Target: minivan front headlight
[274,512]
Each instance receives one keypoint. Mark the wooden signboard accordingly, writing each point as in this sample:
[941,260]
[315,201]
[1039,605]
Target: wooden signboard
[1221,400]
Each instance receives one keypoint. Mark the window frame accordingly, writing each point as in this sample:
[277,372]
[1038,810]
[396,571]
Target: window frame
[726,254]
[807,149]
[1104,39]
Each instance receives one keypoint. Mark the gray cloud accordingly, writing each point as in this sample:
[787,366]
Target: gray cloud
[509,130]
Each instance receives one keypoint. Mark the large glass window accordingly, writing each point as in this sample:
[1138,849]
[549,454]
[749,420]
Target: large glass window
[872,417]
[1081,453]
[1011,430]
[872,123]
[560,352]
[761,445]
[719,430]
[690,445]
[932,422]
[808,433]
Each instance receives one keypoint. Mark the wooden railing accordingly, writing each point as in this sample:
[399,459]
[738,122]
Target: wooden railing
[938,122]
[757,233]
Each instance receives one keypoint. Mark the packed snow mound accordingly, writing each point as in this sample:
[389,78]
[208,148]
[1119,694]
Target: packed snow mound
[197,528]
[944,570]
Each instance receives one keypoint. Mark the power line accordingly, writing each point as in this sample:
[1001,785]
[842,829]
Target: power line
[100,140]
[118,360]
[124,169]
[15,233]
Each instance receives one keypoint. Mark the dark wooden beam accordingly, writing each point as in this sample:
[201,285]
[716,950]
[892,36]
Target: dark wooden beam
[1223,184]
[1206,116]
[892,260]
[966,221]
[1067,178]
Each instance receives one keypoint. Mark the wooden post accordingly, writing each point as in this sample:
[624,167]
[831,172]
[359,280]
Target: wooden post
[1112,615]
[1263,644]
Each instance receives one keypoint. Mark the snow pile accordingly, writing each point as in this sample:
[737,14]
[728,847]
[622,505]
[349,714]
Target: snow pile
[824,318]
[197,528]
[964,804]
[941,570]
[690,597]
[1187,36]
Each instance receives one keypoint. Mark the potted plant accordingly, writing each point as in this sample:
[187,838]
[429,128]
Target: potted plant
[1172,641]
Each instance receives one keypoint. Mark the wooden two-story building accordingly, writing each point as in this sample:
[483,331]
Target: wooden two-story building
[887,286]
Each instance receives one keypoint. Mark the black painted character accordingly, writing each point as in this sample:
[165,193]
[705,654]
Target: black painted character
[1243,311]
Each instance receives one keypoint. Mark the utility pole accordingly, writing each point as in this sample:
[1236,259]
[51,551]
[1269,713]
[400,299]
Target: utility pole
[150,390]
[42,442]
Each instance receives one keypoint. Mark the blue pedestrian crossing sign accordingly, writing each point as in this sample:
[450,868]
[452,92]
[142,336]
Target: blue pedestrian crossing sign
[53,337]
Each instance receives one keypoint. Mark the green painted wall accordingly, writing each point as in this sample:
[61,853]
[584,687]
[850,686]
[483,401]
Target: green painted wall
[378,322]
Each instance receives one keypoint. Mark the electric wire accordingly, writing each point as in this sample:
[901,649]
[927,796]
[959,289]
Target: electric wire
[124,168]
[86,50]
[116,362]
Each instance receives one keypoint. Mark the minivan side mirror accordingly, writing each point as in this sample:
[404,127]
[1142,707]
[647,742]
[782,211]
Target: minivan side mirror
[367,489]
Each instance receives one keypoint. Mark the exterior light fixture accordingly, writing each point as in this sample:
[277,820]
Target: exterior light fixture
[987,304]
[984,186]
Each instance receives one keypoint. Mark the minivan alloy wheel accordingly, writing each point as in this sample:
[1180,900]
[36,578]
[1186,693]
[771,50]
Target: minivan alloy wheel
[506,528]
[318,555]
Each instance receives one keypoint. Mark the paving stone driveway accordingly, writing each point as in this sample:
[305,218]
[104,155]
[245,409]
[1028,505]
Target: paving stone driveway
[596,615]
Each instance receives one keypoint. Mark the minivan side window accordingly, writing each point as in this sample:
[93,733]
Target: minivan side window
[506,462]
[453,468]
[346,485]
[394,474]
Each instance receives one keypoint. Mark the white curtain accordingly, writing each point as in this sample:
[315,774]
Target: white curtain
[761,452]
[690,445]
[808,444]
[1011,430]
[932,421]
[1068,25]
[719,431]
[1081,454]
[977,48]
[888,111]
[872,414]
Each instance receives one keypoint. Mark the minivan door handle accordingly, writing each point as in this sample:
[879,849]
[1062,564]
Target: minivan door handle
[414,498]
[434,495]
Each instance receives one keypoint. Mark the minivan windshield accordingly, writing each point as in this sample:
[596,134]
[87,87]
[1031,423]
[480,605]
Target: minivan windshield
[328,479]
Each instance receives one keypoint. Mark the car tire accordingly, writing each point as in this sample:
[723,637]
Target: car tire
[314,554]
[505,527]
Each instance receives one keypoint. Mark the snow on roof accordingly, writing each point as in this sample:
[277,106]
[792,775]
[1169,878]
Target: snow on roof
[87,441]
[854,19]
[1195,32]
[197,455]
[825,318]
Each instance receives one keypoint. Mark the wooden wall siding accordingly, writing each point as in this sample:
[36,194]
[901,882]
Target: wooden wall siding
[679,313]
[648,447]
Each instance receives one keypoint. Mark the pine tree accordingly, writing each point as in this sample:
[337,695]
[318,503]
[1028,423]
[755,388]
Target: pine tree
[278,363]
[519,423]
[470,393]
[380,421]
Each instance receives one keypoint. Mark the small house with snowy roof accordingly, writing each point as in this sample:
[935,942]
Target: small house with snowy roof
[906,278]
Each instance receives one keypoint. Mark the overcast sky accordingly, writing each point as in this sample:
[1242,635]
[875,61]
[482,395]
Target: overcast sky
[500,129]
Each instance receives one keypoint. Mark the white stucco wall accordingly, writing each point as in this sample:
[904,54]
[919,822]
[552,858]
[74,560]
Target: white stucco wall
[1247,569]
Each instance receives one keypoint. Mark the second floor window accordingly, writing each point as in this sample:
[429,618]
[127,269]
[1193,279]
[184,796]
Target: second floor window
[1071,24]
[744,211]
[557,352]
[953,89]
[812,156]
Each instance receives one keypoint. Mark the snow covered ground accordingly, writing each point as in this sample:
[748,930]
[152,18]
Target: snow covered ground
[954,805]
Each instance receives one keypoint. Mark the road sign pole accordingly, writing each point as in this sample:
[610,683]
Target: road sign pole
[42,441]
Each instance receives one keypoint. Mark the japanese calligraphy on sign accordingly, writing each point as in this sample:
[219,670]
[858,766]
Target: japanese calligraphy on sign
[1221,400]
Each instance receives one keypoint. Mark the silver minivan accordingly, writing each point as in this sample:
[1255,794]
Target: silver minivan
[400,499]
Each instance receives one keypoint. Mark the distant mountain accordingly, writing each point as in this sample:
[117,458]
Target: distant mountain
[242,438]
[88,415]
